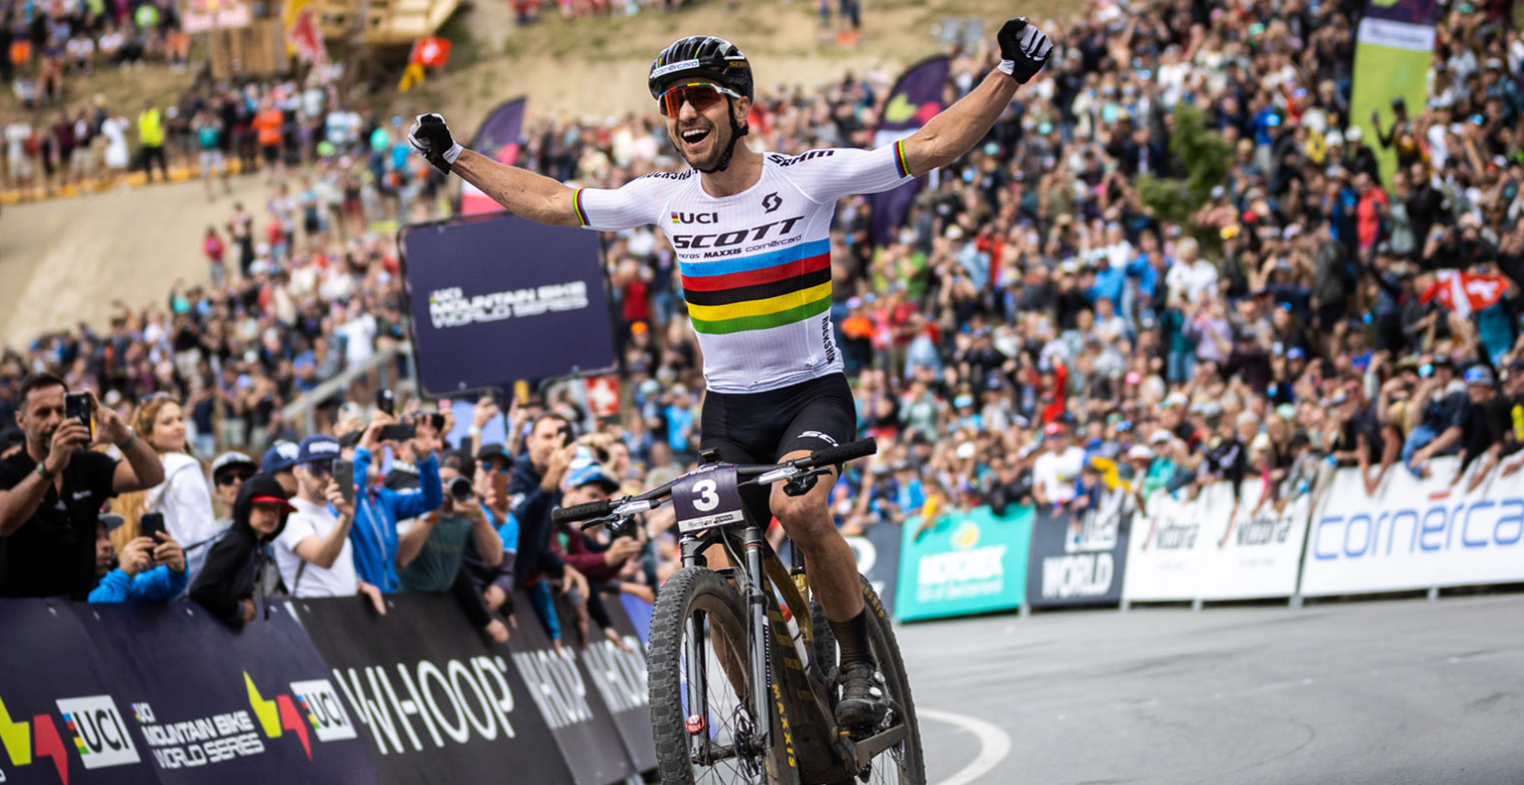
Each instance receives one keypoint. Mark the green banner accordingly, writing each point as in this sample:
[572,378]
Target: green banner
[966,562]
[1395,44]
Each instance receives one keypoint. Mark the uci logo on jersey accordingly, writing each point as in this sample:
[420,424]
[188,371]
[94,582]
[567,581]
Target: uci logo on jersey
[695,218]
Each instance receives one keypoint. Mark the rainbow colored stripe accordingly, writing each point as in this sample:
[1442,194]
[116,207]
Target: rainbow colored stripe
[577,206]
[758,292]
[901,163]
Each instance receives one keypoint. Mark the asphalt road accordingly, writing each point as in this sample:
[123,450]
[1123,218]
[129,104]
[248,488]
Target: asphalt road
[1384,693]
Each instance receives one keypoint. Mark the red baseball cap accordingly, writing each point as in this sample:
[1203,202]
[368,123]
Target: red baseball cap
[286,505]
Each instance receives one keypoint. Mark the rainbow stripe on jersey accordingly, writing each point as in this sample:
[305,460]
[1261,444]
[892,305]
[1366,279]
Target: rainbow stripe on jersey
[758,292]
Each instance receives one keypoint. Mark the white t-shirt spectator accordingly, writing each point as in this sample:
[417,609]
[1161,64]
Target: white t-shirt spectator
[1056,472]
[313,520]
[185,498]
[359,339]
[1191,280]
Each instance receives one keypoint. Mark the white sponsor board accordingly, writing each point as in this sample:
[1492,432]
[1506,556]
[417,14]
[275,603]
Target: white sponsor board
[1210,548]
[1416,534]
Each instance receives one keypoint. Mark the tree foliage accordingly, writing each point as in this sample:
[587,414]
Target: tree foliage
[1205,159]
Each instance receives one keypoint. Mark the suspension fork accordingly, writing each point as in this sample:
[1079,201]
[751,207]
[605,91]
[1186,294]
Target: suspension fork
[756,605]
[693,644]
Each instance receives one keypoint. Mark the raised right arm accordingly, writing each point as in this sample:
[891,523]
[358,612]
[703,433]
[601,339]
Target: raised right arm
[534,196]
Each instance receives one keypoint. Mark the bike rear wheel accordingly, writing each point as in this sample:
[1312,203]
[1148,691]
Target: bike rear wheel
[700,606]
[903,763]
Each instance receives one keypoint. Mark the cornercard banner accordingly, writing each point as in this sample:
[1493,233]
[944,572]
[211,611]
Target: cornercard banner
[1416,534]
[432,699]
[967,561]
[499,298]
[1078,559]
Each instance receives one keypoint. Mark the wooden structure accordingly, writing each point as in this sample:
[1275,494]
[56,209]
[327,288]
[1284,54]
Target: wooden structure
[256,50]
[382,22]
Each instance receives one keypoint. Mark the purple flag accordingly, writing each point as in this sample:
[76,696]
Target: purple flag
[497,138]
[915,99]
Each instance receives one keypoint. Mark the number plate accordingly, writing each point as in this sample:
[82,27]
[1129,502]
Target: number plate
[706,499]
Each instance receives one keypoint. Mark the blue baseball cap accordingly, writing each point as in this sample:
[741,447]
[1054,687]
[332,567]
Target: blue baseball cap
[1480,374]
[318,447]
[280,457]
[589,473]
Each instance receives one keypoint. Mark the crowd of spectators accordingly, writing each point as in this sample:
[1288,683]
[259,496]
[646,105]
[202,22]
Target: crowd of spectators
[1035,323]
[41,43]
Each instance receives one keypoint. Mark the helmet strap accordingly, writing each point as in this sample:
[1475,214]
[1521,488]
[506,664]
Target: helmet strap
[736,132]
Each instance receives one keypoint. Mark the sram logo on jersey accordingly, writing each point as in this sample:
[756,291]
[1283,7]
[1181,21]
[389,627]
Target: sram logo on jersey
[784,160]
[695,218]
[725,239]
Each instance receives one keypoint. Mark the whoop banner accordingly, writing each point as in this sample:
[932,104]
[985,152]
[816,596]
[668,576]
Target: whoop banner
[1415,534]
[1079,559]
[499,298]
[1212,548]
[966,562]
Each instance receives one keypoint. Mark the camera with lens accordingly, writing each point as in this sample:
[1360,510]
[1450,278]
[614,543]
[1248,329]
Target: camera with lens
[460,489]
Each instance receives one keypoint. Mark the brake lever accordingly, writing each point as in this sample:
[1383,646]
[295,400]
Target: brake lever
[801,484]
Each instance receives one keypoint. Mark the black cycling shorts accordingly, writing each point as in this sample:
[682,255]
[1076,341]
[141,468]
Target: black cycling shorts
[763,427]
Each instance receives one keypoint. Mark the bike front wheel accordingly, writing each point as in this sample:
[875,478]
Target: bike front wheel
[697,667]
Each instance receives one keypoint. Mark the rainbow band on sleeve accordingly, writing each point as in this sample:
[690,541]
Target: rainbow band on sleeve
[577,206]
[760,291]
[901,163]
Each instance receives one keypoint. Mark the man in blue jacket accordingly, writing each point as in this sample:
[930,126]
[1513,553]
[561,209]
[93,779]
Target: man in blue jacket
[374,534]
[136,578]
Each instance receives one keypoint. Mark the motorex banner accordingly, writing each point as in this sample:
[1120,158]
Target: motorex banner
[1416,534]
[967,561]
[1395,44]
[498,298]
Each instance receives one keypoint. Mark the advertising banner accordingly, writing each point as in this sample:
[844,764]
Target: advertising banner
[877,551]
[1415,534]
[498,139]
[1212,548]
[1393,49]
[433,701]
[965,562]
[1079,559]
[162,693]
[570,702]
[619,676]
[499,298]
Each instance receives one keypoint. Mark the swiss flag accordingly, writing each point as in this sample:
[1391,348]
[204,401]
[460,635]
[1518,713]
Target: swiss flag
[1464,293]
[603,396]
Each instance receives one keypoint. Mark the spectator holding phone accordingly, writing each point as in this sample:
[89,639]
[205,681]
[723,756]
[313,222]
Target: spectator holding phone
[149,569]
[377,511]
[184,499]
[313,553]
[51,492]
[240,559]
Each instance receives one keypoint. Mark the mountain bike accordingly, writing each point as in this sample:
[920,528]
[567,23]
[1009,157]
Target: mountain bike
[742,662]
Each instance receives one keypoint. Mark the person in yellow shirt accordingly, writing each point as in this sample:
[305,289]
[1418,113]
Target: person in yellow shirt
[151,139]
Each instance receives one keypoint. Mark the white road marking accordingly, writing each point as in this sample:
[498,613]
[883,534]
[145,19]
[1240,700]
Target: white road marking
[994,744]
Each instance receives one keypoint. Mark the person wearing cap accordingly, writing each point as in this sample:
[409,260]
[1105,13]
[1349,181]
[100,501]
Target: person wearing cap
[378,510]
[278,462]
[239,561]
[1444,403]
[313,553]
[1057,470]
[147,571]
[229,470]
[1489,420]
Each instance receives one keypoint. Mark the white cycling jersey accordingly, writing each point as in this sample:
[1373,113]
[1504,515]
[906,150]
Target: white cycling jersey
[756,266]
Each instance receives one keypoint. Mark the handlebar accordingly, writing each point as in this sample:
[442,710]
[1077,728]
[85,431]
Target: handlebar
[650,499]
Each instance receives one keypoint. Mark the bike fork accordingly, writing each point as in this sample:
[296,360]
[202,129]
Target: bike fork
[756,604]
[693,645]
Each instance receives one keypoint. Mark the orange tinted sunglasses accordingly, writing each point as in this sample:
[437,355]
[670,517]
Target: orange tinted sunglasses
[701,94]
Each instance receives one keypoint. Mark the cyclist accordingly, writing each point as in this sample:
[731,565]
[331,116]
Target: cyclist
[751,234]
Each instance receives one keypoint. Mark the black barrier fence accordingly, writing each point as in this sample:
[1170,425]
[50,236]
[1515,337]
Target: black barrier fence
[1079,558]
[334,694]
[877,551]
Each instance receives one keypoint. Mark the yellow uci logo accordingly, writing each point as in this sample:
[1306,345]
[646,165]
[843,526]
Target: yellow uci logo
[966,535]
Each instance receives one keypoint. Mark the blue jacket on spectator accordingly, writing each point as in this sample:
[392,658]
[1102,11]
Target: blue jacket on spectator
[158,584]
[374,533]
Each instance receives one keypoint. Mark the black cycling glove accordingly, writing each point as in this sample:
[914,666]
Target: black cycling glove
[430,136]
[1024,49]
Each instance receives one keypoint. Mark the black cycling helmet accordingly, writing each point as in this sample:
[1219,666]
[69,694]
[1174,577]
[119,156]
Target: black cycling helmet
[706,55]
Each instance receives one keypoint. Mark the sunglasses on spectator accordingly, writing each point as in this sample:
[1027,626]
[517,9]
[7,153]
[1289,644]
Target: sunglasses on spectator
[233,478]
[701,95]
[320,468]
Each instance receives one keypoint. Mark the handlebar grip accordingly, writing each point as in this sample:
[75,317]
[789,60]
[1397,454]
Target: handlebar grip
[851,451]
[582,512]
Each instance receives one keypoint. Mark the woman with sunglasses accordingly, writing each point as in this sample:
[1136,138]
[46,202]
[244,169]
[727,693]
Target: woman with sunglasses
[751,232]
